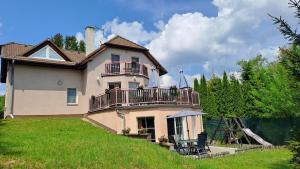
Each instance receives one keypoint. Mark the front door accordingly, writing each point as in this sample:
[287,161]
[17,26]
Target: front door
[146,125]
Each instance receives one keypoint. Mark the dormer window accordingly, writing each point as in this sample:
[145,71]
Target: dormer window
[47,53]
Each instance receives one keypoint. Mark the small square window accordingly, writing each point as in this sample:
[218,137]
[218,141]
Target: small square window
[72,96]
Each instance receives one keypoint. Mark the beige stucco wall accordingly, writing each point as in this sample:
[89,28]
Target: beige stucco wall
[8,92]
[112,120]
[37,91]
[95,84]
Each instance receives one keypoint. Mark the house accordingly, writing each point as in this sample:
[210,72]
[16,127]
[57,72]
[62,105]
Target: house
[104,84]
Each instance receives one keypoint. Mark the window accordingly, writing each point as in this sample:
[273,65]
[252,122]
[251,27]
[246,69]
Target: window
[47,53]
[133,85]
[135,65]
[72,96]
[179,127]
[146,125]
[115,58]
[113,85]
[115,64]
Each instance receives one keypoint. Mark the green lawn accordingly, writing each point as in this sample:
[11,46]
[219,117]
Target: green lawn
[73,143]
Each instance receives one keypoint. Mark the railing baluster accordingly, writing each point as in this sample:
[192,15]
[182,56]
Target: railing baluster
[142,97]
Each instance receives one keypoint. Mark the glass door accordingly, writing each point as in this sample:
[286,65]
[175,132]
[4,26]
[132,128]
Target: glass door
[115,64]
[135,65]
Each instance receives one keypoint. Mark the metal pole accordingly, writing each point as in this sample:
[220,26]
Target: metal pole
[187,127]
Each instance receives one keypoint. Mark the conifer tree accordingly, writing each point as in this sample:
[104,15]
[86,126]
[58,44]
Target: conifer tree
[81,46]
[71,43]
[215,87]
[196,85]
[225,105]
[203,93]
[58,40]
[237,97]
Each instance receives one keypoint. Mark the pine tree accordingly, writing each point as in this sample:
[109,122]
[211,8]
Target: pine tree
[196,85]
[71,43]
[81,46]
[237,97]
[225,103]
[211,106]
[58,40]
[215,88]
[203,93]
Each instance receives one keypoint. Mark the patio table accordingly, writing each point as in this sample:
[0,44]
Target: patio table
[190,145]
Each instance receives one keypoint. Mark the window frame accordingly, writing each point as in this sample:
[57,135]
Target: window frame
[47,54]
[138,84]
[76,97]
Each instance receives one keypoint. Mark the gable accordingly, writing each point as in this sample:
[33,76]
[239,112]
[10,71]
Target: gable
[47,52]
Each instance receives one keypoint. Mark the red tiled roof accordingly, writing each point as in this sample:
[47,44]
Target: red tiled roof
[22,51]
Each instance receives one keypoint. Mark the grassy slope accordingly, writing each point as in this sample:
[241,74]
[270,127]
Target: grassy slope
[72,143]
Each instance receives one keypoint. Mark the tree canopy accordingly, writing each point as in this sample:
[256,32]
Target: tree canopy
[68,43]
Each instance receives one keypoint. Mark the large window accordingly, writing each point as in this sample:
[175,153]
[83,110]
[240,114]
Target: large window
[113,85]
[115,64]
[135,65]
[179,128]
[72,96]
[133,85]
[146,125]
[115,58]
[47,53]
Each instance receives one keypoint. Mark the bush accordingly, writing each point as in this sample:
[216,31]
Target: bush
[294,146]
[2,102]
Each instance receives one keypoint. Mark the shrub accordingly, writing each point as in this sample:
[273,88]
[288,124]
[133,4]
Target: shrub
[294,146]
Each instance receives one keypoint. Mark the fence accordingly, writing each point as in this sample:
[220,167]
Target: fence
[273,130]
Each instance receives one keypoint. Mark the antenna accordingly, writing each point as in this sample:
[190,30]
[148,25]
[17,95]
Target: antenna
[102,31]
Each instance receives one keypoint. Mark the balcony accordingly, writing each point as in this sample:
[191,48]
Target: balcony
[125,68]
[143,97]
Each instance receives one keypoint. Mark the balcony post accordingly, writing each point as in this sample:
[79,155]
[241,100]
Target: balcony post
[157,93]
[188,96]
[192,98]
[116,93]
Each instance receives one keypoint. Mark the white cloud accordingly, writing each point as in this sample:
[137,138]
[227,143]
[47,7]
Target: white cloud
[242,29]
[134,31]
[79,36]
[167,81]
[201,44]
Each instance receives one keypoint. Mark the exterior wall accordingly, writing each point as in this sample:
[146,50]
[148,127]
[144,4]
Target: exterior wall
[112,120]
[8,92]
[109,119]
[37,92]
[95,84]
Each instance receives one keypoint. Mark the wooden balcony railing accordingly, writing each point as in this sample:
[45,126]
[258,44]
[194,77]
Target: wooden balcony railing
[142,97]
[126,68]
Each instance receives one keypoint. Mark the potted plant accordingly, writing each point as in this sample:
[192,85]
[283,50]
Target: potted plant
[126,131]
[163,139]
[173,91]
[107,91]
[142,131]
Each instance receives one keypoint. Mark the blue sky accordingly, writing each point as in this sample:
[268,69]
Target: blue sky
[31,21]
[199,36]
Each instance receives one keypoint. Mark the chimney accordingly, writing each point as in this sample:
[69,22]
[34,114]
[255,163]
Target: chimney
[90,34]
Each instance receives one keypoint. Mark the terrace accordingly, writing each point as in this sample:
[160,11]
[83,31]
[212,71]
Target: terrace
[142,97]
[121,68]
